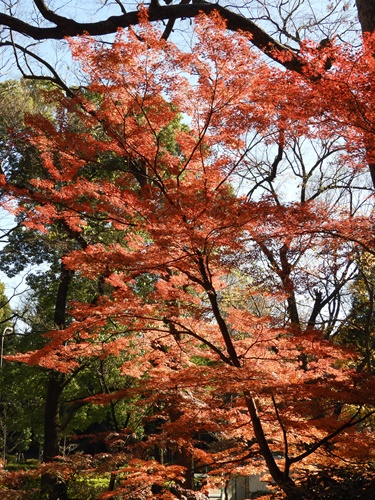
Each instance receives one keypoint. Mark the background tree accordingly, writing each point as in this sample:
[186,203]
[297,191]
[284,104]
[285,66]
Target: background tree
[49,289]
[5,329]
[358,326]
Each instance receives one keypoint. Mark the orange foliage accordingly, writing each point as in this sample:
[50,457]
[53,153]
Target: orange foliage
[205,364]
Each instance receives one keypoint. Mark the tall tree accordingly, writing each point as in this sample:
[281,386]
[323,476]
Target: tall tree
[5,328]
[50,287]
[205,365]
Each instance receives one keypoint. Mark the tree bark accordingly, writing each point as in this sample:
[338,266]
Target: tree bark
[53,487]
[366,15]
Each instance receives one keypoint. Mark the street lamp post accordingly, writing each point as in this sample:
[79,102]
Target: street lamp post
[4,332]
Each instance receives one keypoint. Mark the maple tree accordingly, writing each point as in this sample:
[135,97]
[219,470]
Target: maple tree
[221,383]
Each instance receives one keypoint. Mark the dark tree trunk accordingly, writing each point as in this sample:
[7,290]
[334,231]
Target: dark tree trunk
[316,309]
[366,15]
[53,487]
[52,417]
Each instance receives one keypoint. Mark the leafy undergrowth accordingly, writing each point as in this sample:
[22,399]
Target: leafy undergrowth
[87,488]
[22,466]
[351,483]
[21,481]
[333,483]
[348,482]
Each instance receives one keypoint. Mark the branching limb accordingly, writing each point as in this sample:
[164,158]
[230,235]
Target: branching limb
[66,27]
[354,420]
[55,78]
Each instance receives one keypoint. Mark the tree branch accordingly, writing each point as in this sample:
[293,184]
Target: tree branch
[350,423]
[66,27]
[54,79]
